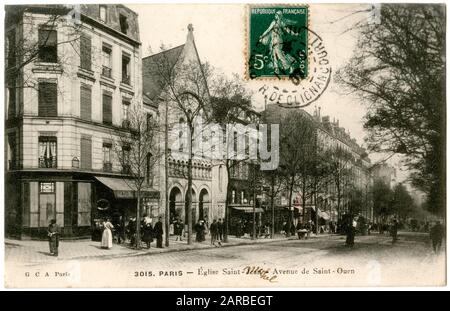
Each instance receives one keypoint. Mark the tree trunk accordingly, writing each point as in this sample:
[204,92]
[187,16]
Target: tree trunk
[138,220]
[227,199]
[166,176]
[254,203]
[272,197]
[189,209]
[291,212]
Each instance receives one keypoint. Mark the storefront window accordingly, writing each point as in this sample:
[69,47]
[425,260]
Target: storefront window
[47,206]
[84,204]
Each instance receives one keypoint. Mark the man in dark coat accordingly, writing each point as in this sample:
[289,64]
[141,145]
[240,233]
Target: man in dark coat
[53,237]
[220,228]
[178,227]
[158,231]
[394,230]
[214,231]
[436,236]
[350,230]
[131,230]
[147,231]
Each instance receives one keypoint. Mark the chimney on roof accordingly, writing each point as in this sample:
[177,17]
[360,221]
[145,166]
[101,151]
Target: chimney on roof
[190,36]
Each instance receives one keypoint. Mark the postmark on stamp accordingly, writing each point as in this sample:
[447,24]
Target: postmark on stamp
[302,92]
[277,42]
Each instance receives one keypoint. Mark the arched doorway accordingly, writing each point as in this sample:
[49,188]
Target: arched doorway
[193,208]
[174,201]
[203,205]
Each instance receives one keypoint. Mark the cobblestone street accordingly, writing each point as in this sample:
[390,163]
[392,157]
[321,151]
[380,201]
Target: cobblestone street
[374,260]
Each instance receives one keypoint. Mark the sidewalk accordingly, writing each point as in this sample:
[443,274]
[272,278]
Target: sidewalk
[38,251]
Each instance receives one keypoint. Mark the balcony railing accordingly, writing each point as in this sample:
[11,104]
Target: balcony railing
[106,72]
[107,167]
[50,162]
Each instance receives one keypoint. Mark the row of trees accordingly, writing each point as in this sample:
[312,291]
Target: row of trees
[391,202]
[398,71]
[310,167]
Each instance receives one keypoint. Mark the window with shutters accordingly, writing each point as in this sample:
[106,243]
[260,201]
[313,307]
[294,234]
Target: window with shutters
[107,61]
[48,42]
[85,52]
[126,113]
[48,99]
[12,156]
[86,153]
[47,152]
[12,99]
[126,167]
[85,102]
[107,108]
[107,164]
[126,69]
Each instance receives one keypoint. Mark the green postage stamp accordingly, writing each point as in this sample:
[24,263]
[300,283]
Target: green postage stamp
[277,45]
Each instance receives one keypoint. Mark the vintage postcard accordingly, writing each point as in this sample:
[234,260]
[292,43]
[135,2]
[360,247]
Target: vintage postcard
[233,145]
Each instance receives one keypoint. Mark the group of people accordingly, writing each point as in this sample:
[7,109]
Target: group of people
[119,232]
[216,231]
[149,232]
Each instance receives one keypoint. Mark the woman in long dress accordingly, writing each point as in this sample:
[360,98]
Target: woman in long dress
[107,235]
[273,37]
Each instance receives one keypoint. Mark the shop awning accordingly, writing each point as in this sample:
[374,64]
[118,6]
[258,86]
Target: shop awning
[246,208]
[124,189]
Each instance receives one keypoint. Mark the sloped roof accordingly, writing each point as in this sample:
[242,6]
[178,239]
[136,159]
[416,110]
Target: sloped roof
[152,81]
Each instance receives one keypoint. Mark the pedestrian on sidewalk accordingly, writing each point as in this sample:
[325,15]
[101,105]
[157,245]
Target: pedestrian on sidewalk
[147,230]
[158,231]
[220,228]
[178,229]
[436,236]
[107,234]
[200,231]
[53,237]
[394,230]
[214,231]
[131,231]
[119,225]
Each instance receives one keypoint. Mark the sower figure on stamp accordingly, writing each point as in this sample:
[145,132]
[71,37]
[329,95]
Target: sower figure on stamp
[273,37]
[53,237]
[158,231]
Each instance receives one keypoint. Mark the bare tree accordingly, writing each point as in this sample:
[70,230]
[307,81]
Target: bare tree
[398,70]
[136,148]
[185,93]
[229,100]
[338,167]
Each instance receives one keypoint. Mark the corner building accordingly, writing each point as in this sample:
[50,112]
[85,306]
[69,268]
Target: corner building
[62,109]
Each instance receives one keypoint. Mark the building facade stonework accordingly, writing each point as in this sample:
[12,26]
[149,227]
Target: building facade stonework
[69,87]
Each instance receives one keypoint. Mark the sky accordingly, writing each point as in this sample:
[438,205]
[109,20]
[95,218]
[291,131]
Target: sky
[220,37]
